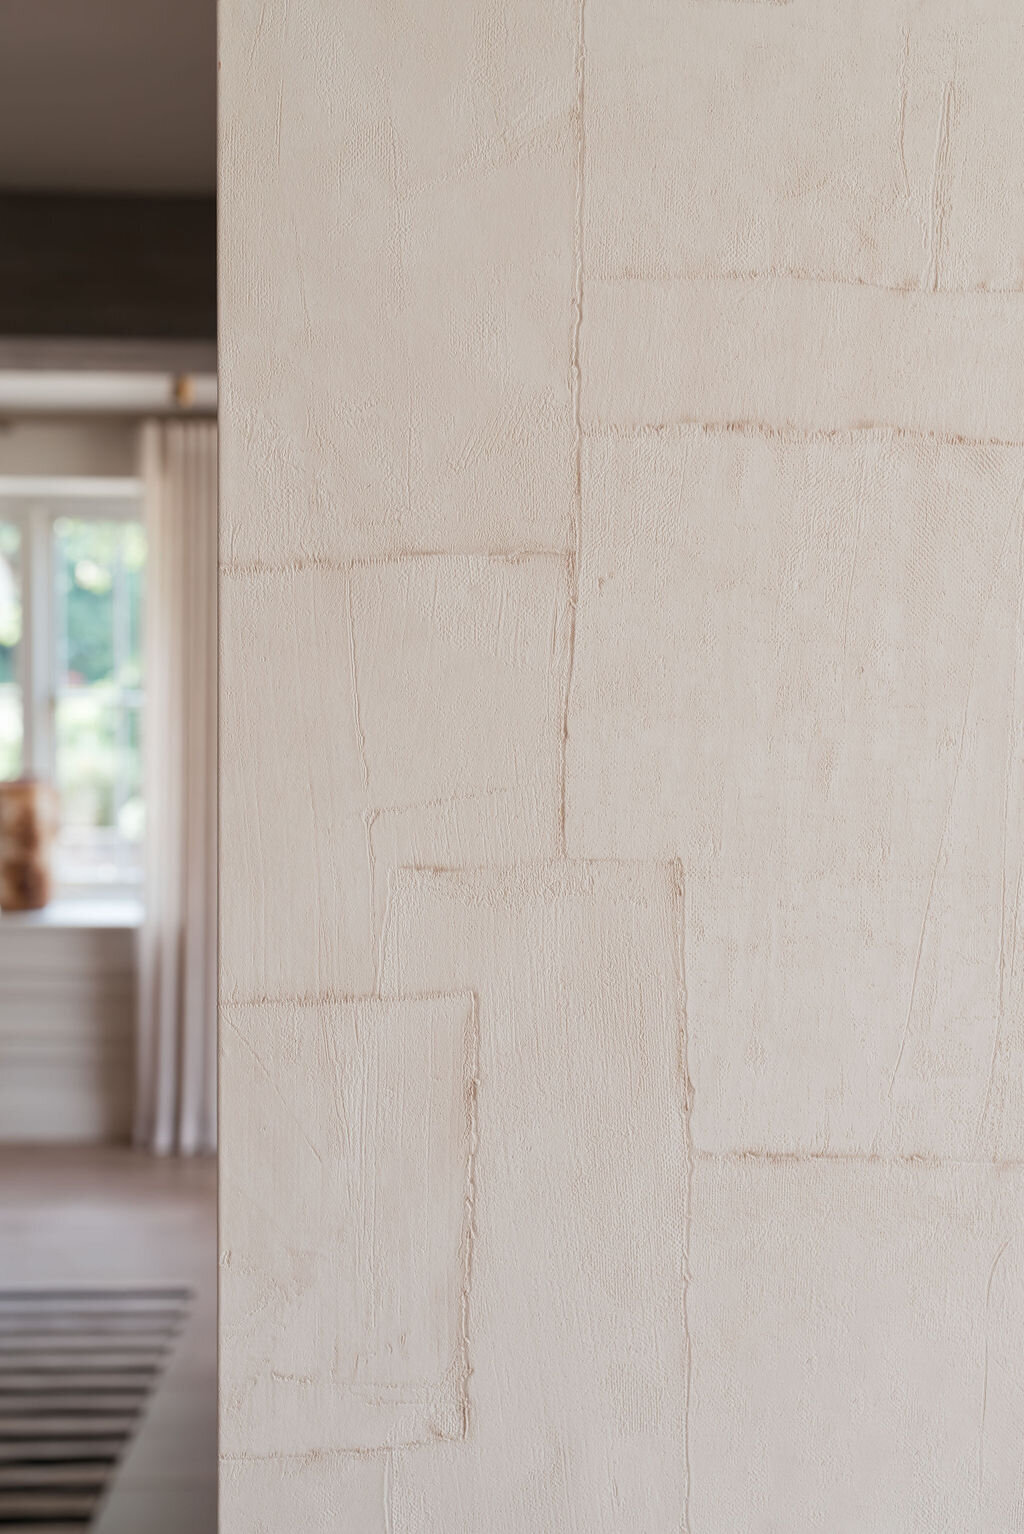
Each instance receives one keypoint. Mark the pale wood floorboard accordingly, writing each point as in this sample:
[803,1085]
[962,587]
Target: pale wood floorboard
[108,1216]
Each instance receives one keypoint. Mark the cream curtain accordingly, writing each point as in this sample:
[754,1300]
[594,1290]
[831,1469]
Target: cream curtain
[176,1075]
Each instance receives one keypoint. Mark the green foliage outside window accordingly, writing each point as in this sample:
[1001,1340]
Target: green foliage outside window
[100,570]
[10,638]
[94,614]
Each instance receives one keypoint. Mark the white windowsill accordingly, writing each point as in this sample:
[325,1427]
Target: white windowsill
[70,912]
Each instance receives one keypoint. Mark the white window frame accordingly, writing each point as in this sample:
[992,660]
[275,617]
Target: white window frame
[34,505]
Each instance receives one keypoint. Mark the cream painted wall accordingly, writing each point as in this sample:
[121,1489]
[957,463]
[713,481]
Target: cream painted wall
[80,447]
[622,754]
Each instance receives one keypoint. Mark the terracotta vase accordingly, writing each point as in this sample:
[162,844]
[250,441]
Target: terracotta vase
[28,825]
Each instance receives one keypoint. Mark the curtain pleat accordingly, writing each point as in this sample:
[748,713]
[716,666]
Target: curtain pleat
[176,1054]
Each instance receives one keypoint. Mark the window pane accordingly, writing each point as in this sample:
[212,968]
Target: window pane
[87,756]
[10,642]
[100,569]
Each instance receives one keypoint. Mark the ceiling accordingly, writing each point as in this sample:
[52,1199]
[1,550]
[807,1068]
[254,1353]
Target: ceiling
[108,95]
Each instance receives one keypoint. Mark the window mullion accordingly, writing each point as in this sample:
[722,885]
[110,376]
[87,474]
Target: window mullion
[40,639]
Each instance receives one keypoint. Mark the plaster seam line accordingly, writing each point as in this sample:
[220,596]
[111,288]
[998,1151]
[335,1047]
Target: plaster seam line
[629,430]
[923,1161]
[984,1389]
[342,566]
[711,275]
[947,819]
[469,1220]
[577,381]
[686,1105]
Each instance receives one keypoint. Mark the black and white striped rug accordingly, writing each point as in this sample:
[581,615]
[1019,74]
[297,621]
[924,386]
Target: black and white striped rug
[76,1369]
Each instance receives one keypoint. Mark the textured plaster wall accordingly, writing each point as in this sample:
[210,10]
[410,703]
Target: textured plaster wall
[622,954]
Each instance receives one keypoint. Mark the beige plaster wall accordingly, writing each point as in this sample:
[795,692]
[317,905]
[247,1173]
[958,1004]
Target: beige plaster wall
[622,753]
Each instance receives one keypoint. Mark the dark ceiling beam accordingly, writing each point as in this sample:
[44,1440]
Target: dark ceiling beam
[119,268]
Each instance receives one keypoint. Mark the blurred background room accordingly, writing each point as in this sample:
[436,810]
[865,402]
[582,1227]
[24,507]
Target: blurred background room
[108,457]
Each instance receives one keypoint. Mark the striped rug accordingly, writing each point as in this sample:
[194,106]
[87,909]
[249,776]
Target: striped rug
[76,1368]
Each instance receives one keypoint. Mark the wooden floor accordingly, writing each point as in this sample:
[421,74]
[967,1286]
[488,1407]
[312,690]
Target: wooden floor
[109,1217]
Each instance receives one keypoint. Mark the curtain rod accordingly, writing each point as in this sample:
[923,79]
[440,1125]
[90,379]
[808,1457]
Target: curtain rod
[45,391]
